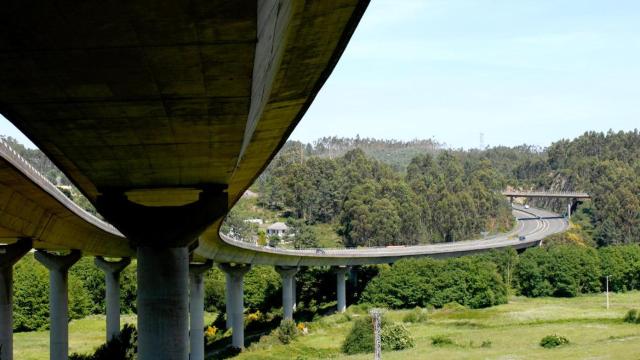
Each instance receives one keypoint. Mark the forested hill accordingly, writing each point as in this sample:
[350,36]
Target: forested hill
[379,192]
[395,153]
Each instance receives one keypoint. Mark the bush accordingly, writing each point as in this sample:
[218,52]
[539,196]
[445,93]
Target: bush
[551,341]
[622,263]
[287,331]
[631,317]
[395,337]
[122,347]
[471,281]
[562,270]
[441,340]
[416,315]
[360,338]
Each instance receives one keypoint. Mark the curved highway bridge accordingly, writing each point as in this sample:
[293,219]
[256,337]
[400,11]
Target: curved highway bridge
[162,114]
[37,214]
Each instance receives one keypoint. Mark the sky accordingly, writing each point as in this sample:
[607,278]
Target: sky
[526,71]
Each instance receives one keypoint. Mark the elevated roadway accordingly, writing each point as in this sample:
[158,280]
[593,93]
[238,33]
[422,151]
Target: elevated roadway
[34,208]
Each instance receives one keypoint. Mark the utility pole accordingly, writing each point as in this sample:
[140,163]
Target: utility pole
[377,346]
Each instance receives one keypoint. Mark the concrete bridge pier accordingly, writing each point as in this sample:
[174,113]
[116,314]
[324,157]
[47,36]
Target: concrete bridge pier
[9,255]
[341,290]
[162,234]
[112,270]
[196,309]
[288,296]
[58,266]
[235,305]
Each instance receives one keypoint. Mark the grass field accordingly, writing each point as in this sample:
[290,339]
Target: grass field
[84,336]
[514,330]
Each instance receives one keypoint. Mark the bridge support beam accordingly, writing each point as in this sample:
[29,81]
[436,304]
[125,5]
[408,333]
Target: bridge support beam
[341,290]
[288,295]
[58,266]
[9,255]
[235,306]
[196,309]
[162,236]
[112,270]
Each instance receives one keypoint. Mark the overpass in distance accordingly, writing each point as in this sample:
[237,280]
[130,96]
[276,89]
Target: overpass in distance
[161,114]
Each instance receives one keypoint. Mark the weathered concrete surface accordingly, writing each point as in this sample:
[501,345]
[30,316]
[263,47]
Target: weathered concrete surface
[196,309]
[163,303]
[112,270]
[9,255]
[58,266]
[34,208]
[235,300]
[288,274]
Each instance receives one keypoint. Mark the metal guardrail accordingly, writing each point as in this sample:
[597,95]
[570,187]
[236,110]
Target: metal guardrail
[17,161]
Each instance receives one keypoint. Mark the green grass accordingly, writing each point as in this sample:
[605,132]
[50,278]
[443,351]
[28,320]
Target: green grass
[84,336]
[514,331]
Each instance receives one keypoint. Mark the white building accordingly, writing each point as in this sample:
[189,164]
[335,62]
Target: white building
[280,229]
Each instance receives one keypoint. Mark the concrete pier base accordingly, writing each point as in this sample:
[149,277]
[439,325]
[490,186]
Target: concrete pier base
[196,309]
[9,255]
[235,304]
[58,266]
[288,296]
[163,303]
[112,270]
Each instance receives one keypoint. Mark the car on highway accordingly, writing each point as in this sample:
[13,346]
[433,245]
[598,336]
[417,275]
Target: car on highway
[522,237]
[526,206]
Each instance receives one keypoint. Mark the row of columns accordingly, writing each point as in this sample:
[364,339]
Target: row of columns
[166,274]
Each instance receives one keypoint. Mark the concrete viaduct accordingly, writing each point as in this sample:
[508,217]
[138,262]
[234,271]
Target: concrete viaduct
[162,114]
[573,196]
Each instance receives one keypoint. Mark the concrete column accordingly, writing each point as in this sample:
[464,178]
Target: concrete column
[227,298]
[58,266]
[569,208]
[341,292]
[112,270]
[235,305]
[196,309]
[287,273]
[9,255]
[294,293]
[163,303]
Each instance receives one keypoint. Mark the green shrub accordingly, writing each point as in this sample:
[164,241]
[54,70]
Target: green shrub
[622,263]
[631,316]
[441,340]
[486,344]
[471,281]
[395,337]
[562,270]
[360,338]
[551,341]
[121,347]
[287,331]
[416,315]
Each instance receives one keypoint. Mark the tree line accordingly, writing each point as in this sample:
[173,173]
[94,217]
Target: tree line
[440,198]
